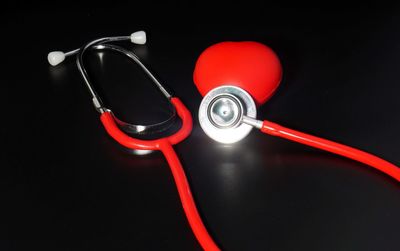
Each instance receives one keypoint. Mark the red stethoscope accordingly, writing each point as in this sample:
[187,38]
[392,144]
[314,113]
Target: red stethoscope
[233,78]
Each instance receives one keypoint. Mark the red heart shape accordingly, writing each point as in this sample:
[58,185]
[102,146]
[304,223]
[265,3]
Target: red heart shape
[251,66]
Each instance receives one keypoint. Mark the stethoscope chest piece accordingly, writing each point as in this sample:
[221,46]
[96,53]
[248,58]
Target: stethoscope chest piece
[222,111]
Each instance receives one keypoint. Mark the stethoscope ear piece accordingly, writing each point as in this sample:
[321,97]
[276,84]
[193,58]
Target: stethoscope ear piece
[55,57]
[138,37]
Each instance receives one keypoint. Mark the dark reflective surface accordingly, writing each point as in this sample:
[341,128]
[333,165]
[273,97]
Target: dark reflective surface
[66,185]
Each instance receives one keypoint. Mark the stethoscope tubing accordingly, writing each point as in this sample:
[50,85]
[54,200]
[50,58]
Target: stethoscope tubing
[165,146]
[333,147]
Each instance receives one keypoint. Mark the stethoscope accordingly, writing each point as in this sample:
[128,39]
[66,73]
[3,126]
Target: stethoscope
[234,78]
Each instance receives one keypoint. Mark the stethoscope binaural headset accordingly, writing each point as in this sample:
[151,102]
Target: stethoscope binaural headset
[232,89]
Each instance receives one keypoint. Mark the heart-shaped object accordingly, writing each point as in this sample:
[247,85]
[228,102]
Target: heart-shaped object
[249,65]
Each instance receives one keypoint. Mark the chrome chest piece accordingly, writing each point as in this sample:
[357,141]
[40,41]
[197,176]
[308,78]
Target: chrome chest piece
[223,112]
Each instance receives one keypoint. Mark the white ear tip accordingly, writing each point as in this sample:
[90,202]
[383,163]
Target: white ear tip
[55,57]
[138,37]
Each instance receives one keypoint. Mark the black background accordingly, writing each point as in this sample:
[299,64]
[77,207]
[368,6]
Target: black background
[66,185]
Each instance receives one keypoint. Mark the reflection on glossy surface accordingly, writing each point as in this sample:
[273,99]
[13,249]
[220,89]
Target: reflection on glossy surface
[141,152]
[59,75]
[100,54]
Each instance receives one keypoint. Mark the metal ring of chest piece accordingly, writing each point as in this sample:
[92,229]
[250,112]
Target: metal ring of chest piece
[222,111]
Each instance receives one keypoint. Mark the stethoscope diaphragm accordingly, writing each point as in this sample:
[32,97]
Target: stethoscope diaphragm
[222,111]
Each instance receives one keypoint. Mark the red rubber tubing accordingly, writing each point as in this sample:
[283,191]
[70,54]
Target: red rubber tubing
[187,200]
[113,130]
[165,146]
[333,147]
